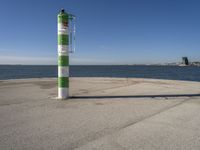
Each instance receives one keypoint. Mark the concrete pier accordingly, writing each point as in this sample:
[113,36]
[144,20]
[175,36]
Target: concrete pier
[102,113]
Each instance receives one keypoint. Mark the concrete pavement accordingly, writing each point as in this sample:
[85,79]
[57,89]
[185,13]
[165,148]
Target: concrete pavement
[31,117]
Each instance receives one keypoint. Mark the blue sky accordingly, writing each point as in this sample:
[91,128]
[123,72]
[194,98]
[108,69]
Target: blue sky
[108,31]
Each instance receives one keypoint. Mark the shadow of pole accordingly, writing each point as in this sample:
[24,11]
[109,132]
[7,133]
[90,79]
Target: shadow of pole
[136,96]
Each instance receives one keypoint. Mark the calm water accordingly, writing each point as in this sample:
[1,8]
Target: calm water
[158,72]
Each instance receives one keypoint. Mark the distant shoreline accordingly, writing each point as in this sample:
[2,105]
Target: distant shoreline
[170,64]
[103,65]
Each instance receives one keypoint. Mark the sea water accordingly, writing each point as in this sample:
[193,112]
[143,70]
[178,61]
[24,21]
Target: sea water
[189,73]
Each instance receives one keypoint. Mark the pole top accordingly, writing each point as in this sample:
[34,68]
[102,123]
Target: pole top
[62,10]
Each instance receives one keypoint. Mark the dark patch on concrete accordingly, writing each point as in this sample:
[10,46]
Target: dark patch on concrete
[84,91]
[13,83]
[46,85]
[10,103]
[53,94]
[98,103]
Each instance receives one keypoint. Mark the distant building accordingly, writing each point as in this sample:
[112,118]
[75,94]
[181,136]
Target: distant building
[185,61]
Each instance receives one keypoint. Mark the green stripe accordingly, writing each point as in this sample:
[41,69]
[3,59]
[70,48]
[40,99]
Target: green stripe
[63,39]
[63,17]
[63,60]
[63,82]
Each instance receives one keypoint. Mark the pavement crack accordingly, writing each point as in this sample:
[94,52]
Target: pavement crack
[154,114]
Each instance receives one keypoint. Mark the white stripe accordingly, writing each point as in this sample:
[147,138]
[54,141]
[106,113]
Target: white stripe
[61,26]
[63,50]
[62,31]
[63,71]
[63,93]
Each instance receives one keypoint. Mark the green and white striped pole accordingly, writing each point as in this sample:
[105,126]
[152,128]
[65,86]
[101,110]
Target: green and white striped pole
[63,55]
